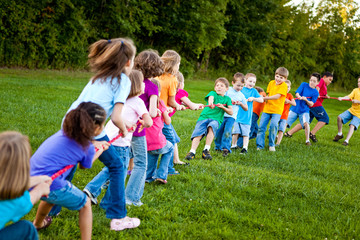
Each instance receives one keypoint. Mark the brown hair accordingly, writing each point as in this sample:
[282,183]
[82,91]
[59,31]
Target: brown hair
[15,165]
[170,59]
[249,75]
[239,77]
[80,123]
[180,79]
[108,58]
[136,78]
[149,63]
[282,72]
[222,80]
[259,89]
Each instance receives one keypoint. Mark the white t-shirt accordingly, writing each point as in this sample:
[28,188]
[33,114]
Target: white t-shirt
[133,109]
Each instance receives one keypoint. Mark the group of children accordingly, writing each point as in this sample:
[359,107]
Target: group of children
[139,95]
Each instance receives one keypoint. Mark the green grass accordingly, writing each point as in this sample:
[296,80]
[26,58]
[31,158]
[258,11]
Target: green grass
[297,192]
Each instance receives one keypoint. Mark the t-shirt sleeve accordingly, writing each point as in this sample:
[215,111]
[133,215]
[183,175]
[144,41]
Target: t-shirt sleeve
[89,155]
[122,91]
[256,94]
[352,94]
[141,108]
[228,101]
[300,88]
[152,89]
[290,96]
[172,87]
[268,87]
[283,89]
[181,93]
[212,93]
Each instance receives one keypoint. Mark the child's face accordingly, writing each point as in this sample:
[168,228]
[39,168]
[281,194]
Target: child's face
[220,88]
[250,82]
[313,82]
[238,85]
[279,79]
[327,80]
[289,86]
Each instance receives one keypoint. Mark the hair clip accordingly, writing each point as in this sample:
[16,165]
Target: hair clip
[122,42]
[109,41]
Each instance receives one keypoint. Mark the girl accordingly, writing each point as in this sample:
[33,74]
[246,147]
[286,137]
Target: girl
[111,60]
[157,144]
[15,199]
[134,108]
[70,146]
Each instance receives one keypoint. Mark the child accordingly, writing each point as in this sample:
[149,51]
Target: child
[111,60]
[282,123]
[243,118]
[210,118]
[15,198]
[274,106]
[307,96]
[134,108]
[352,114]
[223,135]
[158,145]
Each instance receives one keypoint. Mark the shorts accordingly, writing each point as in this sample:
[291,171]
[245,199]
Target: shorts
[202,126]
[303,118]
[347,116]
[320,114]
[69,196]
[242,129]
[282,125]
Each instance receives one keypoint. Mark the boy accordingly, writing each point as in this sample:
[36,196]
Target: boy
[307,96]
[210,118]
[282,123]
[223,135]
[352,114]
[274,106]
[317,110]
[243,119]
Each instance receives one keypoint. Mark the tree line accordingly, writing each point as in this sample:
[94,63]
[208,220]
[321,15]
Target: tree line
[226,35]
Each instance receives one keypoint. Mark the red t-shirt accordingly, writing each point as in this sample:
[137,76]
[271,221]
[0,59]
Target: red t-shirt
[322,92]
[259,107]
[287,106]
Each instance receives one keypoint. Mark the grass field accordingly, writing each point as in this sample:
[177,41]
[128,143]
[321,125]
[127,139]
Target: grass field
[297,192]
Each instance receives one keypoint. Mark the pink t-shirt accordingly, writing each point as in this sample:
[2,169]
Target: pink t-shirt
[322,92]
[179,95]
[155,139]
[133,109]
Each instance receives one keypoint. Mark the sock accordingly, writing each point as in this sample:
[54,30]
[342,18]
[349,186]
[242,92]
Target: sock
[346,141]
[207,147]
[193,151]
[245,148]
[307,140]
[233,146]
[339,133]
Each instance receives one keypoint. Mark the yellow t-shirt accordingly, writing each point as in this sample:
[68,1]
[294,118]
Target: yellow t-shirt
[275,106]
[168,84]
[355,107]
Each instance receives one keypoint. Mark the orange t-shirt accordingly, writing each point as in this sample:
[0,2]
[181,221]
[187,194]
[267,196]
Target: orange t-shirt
[168,83]
[275,106]
[287,106]
[258,107]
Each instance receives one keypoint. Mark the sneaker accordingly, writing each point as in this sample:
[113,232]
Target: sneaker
[225,152]
[313,137]
[338,137]
[206,155]
[93,199]
[272,149]
[233,147]
[190,156]
[243,151]
[126,222]
[345,143]
[308,143]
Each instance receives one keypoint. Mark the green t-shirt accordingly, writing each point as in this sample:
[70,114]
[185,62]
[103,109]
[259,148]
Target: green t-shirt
[216,113]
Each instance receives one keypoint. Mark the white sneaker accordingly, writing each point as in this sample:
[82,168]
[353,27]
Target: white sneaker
[124,223]
[272,149]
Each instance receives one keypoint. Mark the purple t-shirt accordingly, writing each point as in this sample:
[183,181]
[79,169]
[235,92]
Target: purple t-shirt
[150,89]
[57,152]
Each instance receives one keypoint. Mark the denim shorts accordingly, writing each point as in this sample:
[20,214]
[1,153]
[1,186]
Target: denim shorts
[201,128]
[282,125]
[347,116]
[69,196]
[320,114]
[242,129]
[303,118]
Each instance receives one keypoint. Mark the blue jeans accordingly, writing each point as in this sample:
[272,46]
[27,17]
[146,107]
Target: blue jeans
[274,123]
[167,153]
[20,230]
[117,173]
[253,129]
[169,133]
[223,135]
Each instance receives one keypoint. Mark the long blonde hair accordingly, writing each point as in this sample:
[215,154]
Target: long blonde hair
[15,165]
[170,59]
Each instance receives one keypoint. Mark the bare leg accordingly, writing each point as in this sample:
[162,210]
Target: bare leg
[317,127]
[176,155]
[307,131]
[339,124]
[280,136]
[295,129]
[245,142]
[234,139]
[350,133]
[85,220]
[195,143]
[131,164]
[210,136]
[43,210]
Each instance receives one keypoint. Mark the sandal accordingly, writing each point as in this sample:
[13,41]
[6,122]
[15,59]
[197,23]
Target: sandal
[46,223]
[159,180]
[181,163]
[286,134]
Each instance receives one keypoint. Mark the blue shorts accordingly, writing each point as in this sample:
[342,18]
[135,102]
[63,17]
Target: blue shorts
[69,196]
[320,114]
[242,129]
[303,118]
[347,116]
[282,125]
[201,128]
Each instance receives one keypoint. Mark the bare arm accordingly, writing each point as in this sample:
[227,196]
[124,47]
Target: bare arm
[190,104]
[153,106]
[146,120]
[243,106]
[41,189]
[117,119]
[35,180]
[174,104]
[227,109]
[292,102]
[273,97]
[167,119]
[344,98]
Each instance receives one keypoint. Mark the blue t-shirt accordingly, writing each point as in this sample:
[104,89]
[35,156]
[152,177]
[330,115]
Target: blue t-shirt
[57,152]
[14,209]
[235,96]
[244,117]
[305,91]
[105,94]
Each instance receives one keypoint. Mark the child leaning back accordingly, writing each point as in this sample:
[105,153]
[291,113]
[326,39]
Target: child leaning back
[210,118]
